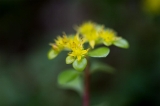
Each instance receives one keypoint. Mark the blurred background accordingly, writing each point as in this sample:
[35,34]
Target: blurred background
[28,78]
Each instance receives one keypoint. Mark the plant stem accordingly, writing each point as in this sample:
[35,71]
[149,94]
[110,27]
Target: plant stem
[86,86]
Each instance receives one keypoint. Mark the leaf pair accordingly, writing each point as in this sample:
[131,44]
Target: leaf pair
[80,65]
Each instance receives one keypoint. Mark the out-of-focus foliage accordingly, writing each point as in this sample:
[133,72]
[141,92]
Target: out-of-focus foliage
[28,78]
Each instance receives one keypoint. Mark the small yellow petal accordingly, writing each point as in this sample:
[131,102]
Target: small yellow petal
[84,51]
[79,58]
[92,43]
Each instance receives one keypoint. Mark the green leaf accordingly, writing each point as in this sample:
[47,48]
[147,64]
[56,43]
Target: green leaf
[67,76]
[99,66]
[122,43]
[80,65]
[52,54]
[75,84]
[100,52]
[70,59]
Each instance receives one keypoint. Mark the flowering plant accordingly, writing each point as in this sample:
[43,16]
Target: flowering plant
[81,46]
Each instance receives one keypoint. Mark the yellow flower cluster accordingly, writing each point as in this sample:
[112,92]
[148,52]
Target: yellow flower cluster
[76,45]
[151,6]
[108,36]
[95,34]
[71,43]
[88,32]
[60,43]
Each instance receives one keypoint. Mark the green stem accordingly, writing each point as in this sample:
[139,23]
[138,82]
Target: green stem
[86,86]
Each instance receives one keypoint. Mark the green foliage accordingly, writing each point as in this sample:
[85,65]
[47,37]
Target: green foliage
[80,65]
[99,52]
[122,43]
[52,54]
[99,66]
[74,83]
[70,59]
[67,76]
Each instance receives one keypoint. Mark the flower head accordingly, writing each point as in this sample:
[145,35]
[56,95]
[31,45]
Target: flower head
[61,43]
[76,45]
[86,28]
[108,36]
[90,32]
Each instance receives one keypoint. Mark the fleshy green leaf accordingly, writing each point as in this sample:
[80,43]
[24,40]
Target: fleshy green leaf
[52,54]
[70,59]
[80,65]
[122,43]
[100,52]
[99,66]
[67,76]
[75,84]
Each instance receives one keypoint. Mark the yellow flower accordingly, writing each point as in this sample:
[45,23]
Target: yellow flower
[76,45]
[108,36]
[90,32]
[152,6]
[92,37]
[60,43]
[86,28]
[78,53]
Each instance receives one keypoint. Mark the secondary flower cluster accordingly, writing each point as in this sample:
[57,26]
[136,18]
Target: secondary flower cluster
[151,6]
[70,43]
[91,33]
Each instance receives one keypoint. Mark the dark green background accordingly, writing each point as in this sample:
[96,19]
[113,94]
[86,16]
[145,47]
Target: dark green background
[28,78]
